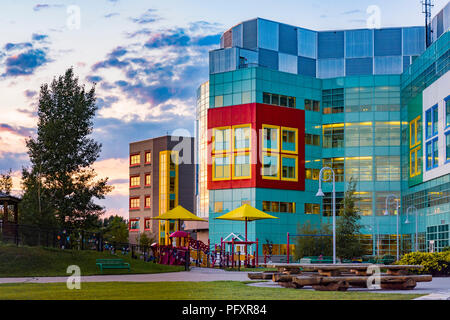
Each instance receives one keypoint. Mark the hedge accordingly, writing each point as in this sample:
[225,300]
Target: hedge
[436,263]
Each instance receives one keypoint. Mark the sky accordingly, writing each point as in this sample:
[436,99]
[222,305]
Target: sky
[146,58]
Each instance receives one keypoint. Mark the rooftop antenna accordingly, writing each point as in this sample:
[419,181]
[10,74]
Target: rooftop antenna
[426,9]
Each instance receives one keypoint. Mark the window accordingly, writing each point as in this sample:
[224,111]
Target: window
[333,135]
[221,137]
[270,138]
[134,224]
[241,136]
[289,140]
[241,166]
[148,179]
[387,168]
[387,133]
[279,100]
[270,166]
[148,202]
[432,154]
[414,132]
[218,206]
[447,147]
[312,105]
[337,164]
[431,118]
[447,112]
[333,101]
[275,206]
[134,203]
[221,167]
[147,224]
[312,174]
[135,181]
[328,203]
[312,139]
[312,208]
[289,168]
[135,159]
[148,157]
[415,162]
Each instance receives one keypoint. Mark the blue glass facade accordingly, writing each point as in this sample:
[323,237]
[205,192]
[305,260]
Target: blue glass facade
[362,91]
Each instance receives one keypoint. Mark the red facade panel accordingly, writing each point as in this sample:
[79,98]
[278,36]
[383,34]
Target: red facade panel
[258,114]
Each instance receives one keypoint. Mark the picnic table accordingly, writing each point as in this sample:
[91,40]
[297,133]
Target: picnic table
[339,277]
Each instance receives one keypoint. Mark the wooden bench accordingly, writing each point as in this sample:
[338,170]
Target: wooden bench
[112,264]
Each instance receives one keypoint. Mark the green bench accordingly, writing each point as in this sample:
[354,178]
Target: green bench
[112,264]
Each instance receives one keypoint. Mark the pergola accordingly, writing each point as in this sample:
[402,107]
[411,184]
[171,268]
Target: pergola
[7,201]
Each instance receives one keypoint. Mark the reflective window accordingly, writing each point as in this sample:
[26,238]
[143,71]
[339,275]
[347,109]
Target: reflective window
[358,134]
[337,164]
[221,165]
[270,138]
[288,167]
[447,146]
[312,174]
[331,44]
[237,36]
[241,165]
[312,105]
[275,206]
[268,34]
[242,137]
[312,208]
[413,41]
[221,139]
[333,101]
[330,68]
[388,65]
[287,63]
[279,100]
[307,43]
[270,166]
[333,135]
[358,168]
[387,168]
[358,43]
[447,111]
[387,133]
[312,139]
[288,140]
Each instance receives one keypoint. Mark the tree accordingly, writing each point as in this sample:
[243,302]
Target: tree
[115,229]
[61,185]
[313,245]
[146,240]
[6,182]
[348,245]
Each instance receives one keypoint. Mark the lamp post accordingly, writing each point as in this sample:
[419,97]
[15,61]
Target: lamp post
[416,243]
[386,213]
[321,194]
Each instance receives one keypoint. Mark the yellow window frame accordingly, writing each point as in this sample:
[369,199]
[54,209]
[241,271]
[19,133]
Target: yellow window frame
[278,166]
[214,167]
[416,171]
[296,140]
[296,167]
[268,126]
[233,136]
[214,140]
[233,165]
[415,134]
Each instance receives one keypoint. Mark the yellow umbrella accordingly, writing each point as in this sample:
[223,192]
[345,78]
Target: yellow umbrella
[246,213]
[179,213]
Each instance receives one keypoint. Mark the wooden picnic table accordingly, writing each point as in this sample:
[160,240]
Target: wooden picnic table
[338,277]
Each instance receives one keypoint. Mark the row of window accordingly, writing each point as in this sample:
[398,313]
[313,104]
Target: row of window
[312,139]
[279,100]
[134,224]
[135,181]
[276,206]
[135,203]
[135,159]
[361,134]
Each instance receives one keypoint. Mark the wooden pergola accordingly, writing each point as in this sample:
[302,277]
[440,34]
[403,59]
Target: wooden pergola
[7,201]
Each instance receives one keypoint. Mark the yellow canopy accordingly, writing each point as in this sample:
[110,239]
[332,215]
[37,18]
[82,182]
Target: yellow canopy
[178,213]
[246,213]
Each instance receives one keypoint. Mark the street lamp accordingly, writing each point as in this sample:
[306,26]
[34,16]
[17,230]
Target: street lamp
[416,244]
[386,213]
[321,194]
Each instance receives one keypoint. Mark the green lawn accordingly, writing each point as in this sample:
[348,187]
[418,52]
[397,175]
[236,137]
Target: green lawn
[217,290]
[38,261]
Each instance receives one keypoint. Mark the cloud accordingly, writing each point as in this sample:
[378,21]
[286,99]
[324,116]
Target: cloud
[39,37]
[148,17]
[25,63]
[43,6]
[94,78]
[351,12]
[30,93]
[12,140]
[17,46]
[117,172]
[110,15]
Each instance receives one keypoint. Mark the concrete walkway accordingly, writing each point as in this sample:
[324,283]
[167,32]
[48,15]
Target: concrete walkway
[196,274]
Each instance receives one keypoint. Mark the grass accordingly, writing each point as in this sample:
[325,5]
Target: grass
[217,290]
[41,262]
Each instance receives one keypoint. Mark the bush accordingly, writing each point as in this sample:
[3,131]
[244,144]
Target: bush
[436,263]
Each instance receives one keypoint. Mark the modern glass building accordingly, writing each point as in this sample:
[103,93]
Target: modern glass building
[285,101]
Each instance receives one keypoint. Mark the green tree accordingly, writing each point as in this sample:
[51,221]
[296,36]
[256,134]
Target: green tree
[348,228]
[313,245]
[115,229]
[61,184]
[145,240]
[6,182]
